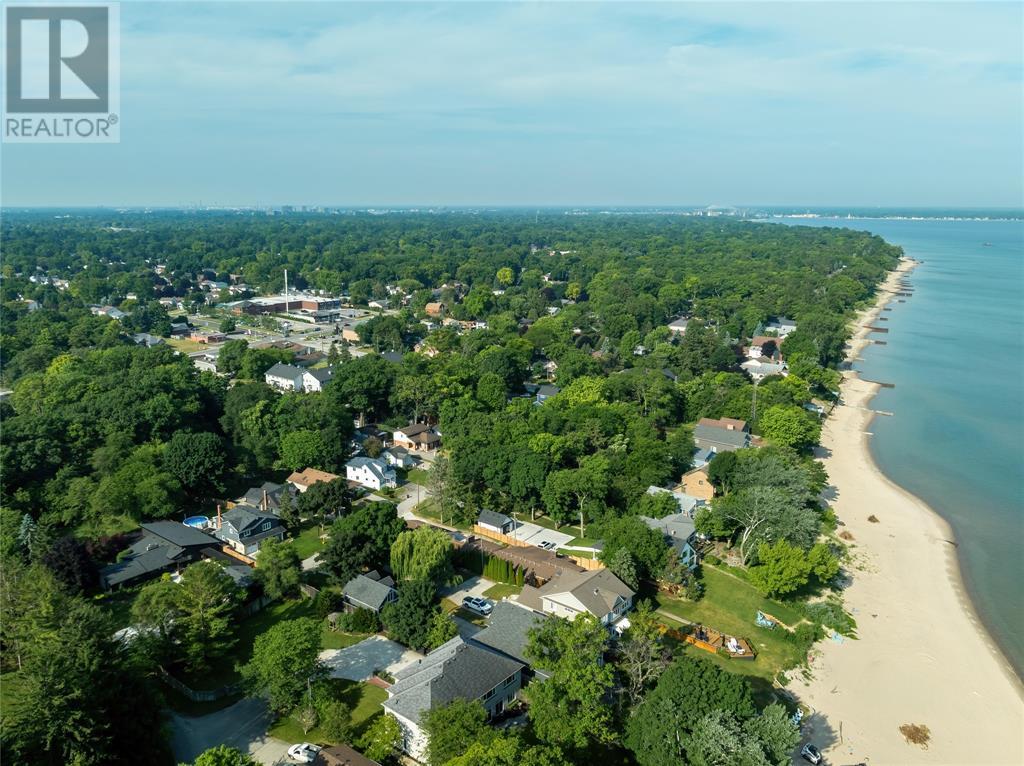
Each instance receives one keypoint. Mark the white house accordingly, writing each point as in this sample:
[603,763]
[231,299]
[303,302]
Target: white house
[759,369]
[370,472]
[399,457]
[781,326]
[286,377]
[315,380]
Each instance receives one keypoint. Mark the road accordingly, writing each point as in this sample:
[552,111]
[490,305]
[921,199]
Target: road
[243,725]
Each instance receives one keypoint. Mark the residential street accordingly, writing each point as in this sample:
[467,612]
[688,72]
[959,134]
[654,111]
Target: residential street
[243,725]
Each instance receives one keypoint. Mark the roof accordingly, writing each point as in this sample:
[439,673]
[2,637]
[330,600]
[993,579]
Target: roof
[342,755]
[596,590]
[508,629]
[548,390]
[148,555]
[323,374]
[686,502]
[702,457]
[368,591]
[734,439]
[493,518]
[679,322]
[280,370]
[377,467]
[455,670]
[254,496]
[393,356]
[248,517]
[414,428]
[177,534]
[677,525]
[310,476]
[782,322]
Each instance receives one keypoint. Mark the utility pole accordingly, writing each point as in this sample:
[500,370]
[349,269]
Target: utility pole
[286,291]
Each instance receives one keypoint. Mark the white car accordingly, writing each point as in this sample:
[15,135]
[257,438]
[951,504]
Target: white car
[304,753]
[479,605]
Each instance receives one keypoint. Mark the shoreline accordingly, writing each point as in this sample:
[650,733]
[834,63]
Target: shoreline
[923,655]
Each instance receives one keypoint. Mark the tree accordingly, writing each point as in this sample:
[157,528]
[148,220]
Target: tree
[154,614]
[507,749]
[656,505]
[228,324]
[775,732]
[646,546]
[721,468]
[362,539]
[658,731]
[335,719]
[642,656]
[278,568]
[222,755]
[623,565]
[71,564]
[759,514]
[408,620]
[570,491]
[441,483]
[303,448]
[453,728]
[288,512]
[382,739]
[717,739]
[285,661]
[197,460]
[229,360]
[442,630]
[782,568]
[505,276]
[207,598]
[789,426]
[570,709]
[424,553]
[325,499]
[824,564]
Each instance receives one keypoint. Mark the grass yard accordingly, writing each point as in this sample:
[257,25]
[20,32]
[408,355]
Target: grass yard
[428,510]
[185,346]
[502,590]
[308,541]
[730,605]
[335,639]
[569,529]
[363,701]
[418,476]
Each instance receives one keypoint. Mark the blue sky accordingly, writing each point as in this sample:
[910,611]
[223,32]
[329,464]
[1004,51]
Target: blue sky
[552,104]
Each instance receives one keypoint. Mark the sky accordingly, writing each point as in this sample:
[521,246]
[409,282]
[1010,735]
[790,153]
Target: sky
[557,103]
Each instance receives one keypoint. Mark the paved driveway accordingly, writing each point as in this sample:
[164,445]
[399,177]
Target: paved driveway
[357,662]
[471,586]
[243,725]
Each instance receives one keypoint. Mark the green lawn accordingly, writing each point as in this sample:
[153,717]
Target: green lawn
[730,605]
[335,639]
[363,701]
[418,476]
[308,541]
[502,590]
[428,510]
[569,529]
[185,346]
[119,606]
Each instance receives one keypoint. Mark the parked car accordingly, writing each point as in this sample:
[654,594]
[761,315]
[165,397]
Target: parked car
[479,605]
[811,754]
[304,753]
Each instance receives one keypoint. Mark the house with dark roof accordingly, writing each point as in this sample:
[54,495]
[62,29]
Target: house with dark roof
[244,527]
[496,522]
[341,755]
[164,546]
[455,670]
[508,630]
[722,435]
[371,591]
[545,392]
[315,380]
[569,594]
[370,472]
[417,436]
[268,495]
[680,533]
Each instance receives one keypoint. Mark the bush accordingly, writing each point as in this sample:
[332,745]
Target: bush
[359,621]
[805,635]
[328,601]
[713,560]
[832,615]
[693,590]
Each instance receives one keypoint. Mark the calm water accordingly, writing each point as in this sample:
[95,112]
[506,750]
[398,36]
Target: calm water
[955,351]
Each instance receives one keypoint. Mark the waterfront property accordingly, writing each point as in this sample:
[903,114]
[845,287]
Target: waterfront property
[722,435]
[680,533]
[568,594]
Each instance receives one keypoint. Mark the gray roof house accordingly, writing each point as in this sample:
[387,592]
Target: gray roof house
[455,670]
[496,522]
[268,495]
[702,457]
[680,532]
[164,545]
[370,472]
[370,591]
[508,629]
[722,435]
[570,593]
[545,392]
[687,503]
[245,527]
[286,377]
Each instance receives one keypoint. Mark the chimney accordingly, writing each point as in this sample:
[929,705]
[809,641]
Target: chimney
[266,502]
[218,516]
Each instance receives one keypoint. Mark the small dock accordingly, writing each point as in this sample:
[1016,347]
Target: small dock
[879,383]
[876,329]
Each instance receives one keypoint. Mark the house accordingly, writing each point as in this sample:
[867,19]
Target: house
[398,457]
[208,337]
[545,392]
[370,472]
[244,527]
[417,436]
[369,591]
[696,483]
[268,495]
[678,325]
[568,594]
[147,340]
[781,326]
[315,380]
[180,328]
[687,503]
[205,362]
[286,377]
[762,345]
[341,755]
[722,435]
[455,670]
[508,631]
[108,311]
[394,356]
[550,368]
[702,457]
[759,369]
[379,303]
[434,309]
[680,533]
[496,522]
[303,480]
[165,545]
[370,431]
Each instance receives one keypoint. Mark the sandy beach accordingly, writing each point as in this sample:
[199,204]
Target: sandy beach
[921,656]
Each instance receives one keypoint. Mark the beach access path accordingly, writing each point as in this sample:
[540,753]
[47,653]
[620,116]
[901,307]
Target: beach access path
[921,657]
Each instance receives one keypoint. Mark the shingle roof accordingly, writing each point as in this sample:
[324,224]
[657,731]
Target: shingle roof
[378,467]
[677,525]
[281,370]
[717,431]
[176,533]
[247,517]
[310,476]
[368,592]
[684,501]
[455,670]
[596,590]
[143,560]
[493,518]
[508,629]
[323,374]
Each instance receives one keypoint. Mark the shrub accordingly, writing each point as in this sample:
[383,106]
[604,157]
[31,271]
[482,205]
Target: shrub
[805,635]
[359,621]
[712,559]
[328,601]
[693,590]
[832,615]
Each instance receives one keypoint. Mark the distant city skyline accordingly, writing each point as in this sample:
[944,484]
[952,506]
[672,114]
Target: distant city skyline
[552,105]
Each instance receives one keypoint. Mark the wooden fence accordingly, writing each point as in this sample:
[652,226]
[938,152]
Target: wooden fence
[506,539]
